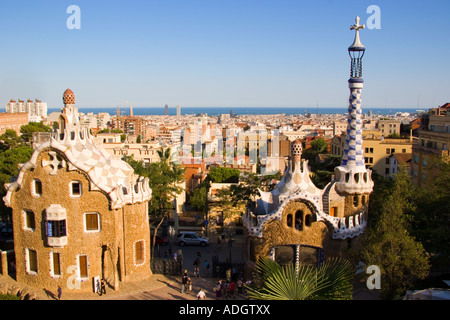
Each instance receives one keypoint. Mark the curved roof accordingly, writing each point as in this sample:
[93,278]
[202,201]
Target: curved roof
[112,176]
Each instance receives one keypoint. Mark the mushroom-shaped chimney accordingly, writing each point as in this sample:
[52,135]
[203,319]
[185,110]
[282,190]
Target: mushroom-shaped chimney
[68,97]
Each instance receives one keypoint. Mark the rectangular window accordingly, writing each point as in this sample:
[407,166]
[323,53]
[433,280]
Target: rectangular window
[75,188]
[32,264]
[92,221]
[56,228]
[30,223]
[37,188]
[83,266]
[56,264]
[139,251]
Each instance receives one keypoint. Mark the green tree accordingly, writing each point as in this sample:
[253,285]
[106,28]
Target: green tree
[198,198]
[9,139]
[389,244]
[331,281]
[9,161]
[323,170]
[224,175]
[247,190]
[28,130]
[164,178]
[319,146]
[430,223]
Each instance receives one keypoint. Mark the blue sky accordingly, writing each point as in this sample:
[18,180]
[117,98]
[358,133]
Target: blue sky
[255,53]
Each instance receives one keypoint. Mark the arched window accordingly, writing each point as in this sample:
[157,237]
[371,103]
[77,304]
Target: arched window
[289,220]
[308,221]
[355,200]
[299,220]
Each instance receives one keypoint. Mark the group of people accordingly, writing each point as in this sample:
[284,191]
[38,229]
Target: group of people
[196,264]
[186,286]
[226,289]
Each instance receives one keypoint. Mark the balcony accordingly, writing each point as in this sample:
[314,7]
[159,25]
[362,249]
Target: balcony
[58,242]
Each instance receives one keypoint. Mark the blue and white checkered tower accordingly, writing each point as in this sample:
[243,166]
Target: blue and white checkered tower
[352,175]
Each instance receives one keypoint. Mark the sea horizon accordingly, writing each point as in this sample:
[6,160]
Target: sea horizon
[215,111]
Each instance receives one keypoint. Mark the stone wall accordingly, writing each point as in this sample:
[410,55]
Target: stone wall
[23,292]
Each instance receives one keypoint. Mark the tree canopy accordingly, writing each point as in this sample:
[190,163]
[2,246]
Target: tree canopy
[164,178]
[388,242]
[224,175]
[28,130]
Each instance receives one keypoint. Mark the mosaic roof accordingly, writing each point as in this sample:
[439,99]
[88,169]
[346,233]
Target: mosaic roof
[112,176]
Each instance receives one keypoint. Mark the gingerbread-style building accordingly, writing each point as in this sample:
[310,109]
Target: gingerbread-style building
[300,223]
[78,215]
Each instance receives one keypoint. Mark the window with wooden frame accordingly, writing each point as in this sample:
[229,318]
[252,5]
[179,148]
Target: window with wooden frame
[139,253]
[92,222]
[55,263]
[83,266]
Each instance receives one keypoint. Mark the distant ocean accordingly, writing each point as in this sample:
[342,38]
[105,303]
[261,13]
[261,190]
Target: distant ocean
[214,111]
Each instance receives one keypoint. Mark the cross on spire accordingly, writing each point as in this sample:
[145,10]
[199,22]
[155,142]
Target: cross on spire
[357,26]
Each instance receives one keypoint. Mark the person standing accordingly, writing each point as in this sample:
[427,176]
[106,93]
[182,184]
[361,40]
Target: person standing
[188,285]
[184,278]
[59,292]
[102,287]
[207,267]
[218,290]
[240,283]
[231,291]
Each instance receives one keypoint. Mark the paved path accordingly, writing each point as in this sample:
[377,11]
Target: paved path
[171,290]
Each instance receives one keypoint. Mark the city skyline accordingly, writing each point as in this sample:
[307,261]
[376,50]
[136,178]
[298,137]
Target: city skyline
[223,54]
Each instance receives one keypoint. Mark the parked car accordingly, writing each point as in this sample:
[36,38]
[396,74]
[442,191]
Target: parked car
[191,238]
[161,241]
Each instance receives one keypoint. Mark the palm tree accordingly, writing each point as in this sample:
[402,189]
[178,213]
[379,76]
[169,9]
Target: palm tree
[330,281]
[164,178]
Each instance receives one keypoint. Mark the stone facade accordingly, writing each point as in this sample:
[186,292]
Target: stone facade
[78,215]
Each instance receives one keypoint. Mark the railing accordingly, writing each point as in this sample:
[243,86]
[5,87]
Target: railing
[167,266]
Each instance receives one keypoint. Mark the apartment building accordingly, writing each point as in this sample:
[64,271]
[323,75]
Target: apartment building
[377,150]
[433,142]
[13,121]
[389,127]
[36,110]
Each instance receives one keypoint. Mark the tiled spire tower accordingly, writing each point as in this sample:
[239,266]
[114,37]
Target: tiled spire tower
[352,175]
